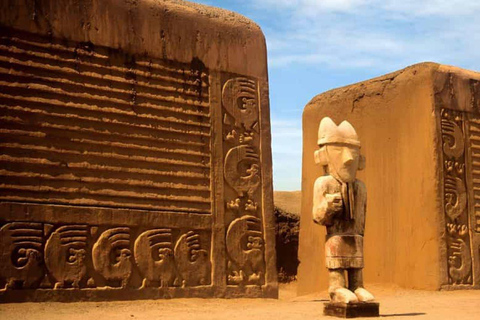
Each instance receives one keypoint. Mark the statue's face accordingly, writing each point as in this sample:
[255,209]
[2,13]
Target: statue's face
[343,161]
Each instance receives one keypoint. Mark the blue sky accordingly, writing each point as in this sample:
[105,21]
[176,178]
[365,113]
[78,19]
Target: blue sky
[317,45]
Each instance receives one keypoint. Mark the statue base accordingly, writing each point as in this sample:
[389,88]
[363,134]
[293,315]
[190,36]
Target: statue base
[351,310]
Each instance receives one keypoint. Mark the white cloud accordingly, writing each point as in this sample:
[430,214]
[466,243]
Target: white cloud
[351,35]
[432,7]
[286,138]
[282,129]
[283,123]
[307,6]
[287,153]
[287,144]
[408,7]
[372,33]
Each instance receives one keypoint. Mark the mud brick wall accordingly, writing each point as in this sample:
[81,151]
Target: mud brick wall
[135,153]
[420,130]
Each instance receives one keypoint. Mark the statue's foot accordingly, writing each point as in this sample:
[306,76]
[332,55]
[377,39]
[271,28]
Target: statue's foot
[363,295]
[343,295]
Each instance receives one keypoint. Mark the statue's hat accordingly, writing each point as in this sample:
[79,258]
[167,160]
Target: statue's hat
[329,132]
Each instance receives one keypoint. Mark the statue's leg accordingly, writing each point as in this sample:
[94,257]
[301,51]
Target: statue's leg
[355,284]
[337,290]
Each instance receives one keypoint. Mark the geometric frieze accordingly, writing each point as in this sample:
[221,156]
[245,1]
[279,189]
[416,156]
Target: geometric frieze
[39,255]
[455,199]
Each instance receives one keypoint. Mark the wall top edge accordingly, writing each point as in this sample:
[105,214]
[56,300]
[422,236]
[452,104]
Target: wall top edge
[172,29]
[417,72]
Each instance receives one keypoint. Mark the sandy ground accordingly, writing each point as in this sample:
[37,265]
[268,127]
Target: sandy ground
[394,303]
[289,201]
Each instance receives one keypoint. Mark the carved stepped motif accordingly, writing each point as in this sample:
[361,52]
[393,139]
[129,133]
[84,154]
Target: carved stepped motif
[474,137]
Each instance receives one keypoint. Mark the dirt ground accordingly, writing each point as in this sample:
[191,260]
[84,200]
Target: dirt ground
[394,303]
[289,201]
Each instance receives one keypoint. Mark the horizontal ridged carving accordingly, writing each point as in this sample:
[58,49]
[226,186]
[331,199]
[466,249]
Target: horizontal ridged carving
[85,125]
[474,130]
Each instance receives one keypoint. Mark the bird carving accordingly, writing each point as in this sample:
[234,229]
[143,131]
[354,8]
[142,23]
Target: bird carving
[242,169]
[112,256]
[459,261]
[65,253]
[455,197]
[240,99]
[154,257]
[193,263]
[245,247]
[21,257]
[454,144]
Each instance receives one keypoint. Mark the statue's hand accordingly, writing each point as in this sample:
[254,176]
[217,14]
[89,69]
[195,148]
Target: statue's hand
[334,202]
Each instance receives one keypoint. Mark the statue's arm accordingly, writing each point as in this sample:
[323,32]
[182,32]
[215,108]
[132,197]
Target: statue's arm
[325,206]
[362,198]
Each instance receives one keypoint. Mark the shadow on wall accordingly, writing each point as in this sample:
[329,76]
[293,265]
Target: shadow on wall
[287,226]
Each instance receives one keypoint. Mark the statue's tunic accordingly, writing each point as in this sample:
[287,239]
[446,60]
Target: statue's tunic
[345,228]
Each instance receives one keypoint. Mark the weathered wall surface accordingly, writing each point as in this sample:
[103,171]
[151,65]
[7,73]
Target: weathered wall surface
[398,119]
[135,152]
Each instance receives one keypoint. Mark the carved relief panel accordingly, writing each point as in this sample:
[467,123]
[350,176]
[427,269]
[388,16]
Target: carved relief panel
[39,255]
[461,160]
[245,242]
[108,174]
[474,153]
[22,256]
[473,183]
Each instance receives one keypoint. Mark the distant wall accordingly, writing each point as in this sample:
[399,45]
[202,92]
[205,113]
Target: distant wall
[135,155]
[399,119]
[288,201]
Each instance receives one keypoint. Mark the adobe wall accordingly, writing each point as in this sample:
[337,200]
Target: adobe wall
[135,152]
[407,239]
